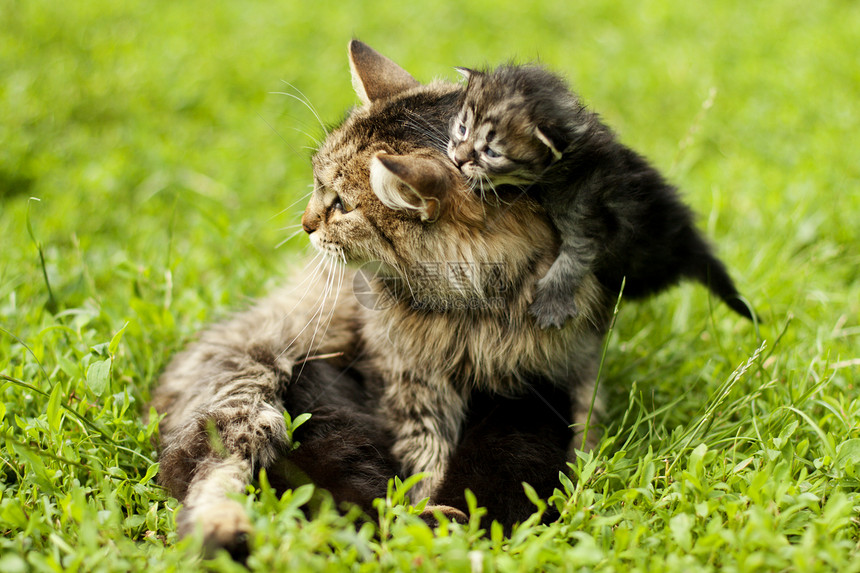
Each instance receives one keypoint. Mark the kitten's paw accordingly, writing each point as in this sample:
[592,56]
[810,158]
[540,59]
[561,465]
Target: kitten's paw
[451,513]
[552,308]
[225,525]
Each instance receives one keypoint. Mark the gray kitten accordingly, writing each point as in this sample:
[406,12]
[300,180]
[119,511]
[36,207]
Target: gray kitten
[617,217]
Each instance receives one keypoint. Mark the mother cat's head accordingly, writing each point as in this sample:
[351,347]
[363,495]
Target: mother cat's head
[386,193]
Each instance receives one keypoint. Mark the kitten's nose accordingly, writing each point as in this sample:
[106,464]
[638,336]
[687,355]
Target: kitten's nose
[462,154]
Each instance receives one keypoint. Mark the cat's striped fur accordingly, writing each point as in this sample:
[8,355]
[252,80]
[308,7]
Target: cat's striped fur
[385,196]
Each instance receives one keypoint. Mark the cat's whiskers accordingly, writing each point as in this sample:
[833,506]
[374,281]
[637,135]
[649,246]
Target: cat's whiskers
[483,203]
[293,149]
[523,192]
[440,143]
[426,128]
[301,199]
[320,268]
[335,275]
[332,251]
[316,317]
[307,103]
[431,128]
[496,193]
[320,301]
[321,264]
[476,182]
[295,233]
[531,387]
[473,183]
[318,258]
[309,136]
[336,286]
[422,127]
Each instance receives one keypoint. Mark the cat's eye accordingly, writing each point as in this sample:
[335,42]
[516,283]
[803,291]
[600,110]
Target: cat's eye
[492,153]
[340,206]
[461,129]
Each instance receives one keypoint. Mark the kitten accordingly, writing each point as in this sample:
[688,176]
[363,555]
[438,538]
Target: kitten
[434,376]
[616,215]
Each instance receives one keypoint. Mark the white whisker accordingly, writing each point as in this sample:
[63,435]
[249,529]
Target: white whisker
[293,204]
[320,261]
[333,284]
[293,149]
[291,236]
[330,279]
[309,136]
[496,193]
[432,132]
[288,227]
[320,300]
[483,200]
[305,101]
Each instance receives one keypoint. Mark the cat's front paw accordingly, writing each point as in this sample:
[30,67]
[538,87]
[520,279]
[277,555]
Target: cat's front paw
[224,525]
[551,308]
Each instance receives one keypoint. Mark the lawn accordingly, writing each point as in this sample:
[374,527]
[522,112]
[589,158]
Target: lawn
[154,159]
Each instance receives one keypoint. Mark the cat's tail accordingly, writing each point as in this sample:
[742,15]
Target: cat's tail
[713,274]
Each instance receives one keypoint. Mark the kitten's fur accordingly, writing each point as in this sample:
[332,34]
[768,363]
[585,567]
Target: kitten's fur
[617,216]
[431,364]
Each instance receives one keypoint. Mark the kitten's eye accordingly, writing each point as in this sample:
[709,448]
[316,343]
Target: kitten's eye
[461,129]
[492,153]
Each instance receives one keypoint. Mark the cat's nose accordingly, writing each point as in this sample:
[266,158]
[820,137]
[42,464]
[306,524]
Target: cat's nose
[462,154]
[310,222]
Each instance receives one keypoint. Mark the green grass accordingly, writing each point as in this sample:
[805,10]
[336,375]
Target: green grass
[166,171]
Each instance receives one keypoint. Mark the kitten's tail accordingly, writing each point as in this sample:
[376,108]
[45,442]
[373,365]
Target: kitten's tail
[713,274]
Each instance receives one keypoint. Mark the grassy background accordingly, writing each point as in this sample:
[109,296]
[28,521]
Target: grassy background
[166,172]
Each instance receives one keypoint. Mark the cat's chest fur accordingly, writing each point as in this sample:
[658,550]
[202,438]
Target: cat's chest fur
[493,349]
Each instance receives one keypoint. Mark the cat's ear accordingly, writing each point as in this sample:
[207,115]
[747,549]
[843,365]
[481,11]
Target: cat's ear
[465,72]
[374,76]
[415,183]
[553,147]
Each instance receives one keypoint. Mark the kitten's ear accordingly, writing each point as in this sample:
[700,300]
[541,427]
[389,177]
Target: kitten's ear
[374,76]
[465,72]
[553,147]
[415,183]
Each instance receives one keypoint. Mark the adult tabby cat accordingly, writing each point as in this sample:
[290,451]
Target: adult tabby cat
[616,215]
[430,377]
